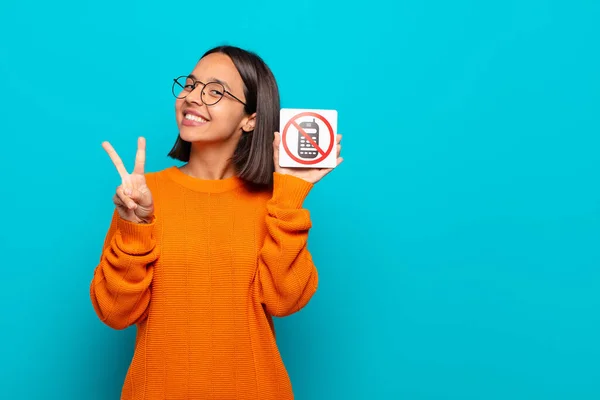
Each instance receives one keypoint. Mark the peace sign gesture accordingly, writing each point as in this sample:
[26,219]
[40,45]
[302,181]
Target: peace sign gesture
[132,198]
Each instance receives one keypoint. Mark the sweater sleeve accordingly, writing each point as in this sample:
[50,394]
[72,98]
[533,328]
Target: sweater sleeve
[287,277]
[120,288]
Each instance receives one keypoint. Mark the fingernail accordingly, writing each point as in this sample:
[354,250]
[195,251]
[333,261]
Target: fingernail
[128,191]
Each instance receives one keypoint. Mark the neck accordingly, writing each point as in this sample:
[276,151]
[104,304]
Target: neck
[210,162]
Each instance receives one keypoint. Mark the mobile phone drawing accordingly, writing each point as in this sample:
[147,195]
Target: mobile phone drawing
[305,147]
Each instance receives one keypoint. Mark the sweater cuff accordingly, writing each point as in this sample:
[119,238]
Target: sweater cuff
[136,238]
[289,191]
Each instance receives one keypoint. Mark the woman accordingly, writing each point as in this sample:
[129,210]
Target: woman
[201,257]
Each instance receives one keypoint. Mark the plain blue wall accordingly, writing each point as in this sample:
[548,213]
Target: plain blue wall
[458,245]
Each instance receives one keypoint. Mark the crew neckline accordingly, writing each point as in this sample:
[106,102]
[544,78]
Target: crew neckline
[203,185]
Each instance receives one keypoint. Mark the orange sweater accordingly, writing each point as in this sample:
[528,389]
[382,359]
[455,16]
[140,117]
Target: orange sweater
[202,282]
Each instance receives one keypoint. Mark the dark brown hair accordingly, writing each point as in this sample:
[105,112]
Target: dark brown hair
[253,157]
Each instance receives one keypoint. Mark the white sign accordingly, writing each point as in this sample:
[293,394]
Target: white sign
[308,138]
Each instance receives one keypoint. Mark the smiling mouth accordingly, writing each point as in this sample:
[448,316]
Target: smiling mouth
[195,118]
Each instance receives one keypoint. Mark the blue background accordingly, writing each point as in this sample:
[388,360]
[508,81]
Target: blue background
[457,245]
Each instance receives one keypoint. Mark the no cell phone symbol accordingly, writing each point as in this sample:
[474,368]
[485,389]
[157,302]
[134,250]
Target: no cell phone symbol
[308,138]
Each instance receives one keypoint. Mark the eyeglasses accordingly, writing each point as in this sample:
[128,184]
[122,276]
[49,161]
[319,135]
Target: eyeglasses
[211,94]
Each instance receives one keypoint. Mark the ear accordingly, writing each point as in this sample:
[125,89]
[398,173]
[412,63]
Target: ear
[249,123]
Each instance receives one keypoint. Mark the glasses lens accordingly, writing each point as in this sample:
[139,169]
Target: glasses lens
[182,87]
[212,93]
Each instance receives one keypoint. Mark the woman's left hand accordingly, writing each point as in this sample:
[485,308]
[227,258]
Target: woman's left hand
[312,175]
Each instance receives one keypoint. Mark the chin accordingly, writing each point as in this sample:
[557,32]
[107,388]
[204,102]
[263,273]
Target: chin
[192,133]
[197,135]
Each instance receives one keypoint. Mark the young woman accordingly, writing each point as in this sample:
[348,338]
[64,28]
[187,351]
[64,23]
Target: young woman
[201,257]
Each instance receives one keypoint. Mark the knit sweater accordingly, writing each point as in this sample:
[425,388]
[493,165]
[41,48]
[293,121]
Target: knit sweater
[202,282]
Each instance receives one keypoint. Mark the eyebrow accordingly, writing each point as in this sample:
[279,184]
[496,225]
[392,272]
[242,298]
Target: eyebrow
[213,79]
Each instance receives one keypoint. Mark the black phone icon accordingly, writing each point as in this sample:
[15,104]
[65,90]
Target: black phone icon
[305,147]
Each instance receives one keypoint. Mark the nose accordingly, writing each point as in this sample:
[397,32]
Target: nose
[195,96]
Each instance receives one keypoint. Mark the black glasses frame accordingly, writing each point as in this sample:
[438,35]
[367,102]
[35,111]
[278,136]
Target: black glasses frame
[195,84]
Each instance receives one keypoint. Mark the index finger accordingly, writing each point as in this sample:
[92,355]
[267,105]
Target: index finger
[116,160]
[140,156]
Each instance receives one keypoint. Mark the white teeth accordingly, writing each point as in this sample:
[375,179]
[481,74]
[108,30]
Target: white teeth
[192,117]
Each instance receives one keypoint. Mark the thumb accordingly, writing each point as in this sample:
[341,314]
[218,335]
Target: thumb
[276,142]
[141,196]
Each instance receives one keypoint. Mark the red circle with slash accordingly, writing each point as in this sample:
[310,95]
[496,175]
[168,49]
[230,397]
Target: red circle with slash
[293,122]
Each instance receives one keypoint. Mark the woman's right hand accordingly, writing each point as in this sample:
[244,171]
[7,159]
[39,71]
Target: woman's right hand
[132,198]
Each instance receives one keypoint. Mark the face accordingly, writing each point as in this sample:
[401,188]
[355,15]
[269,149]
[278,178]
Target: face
[223,121]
